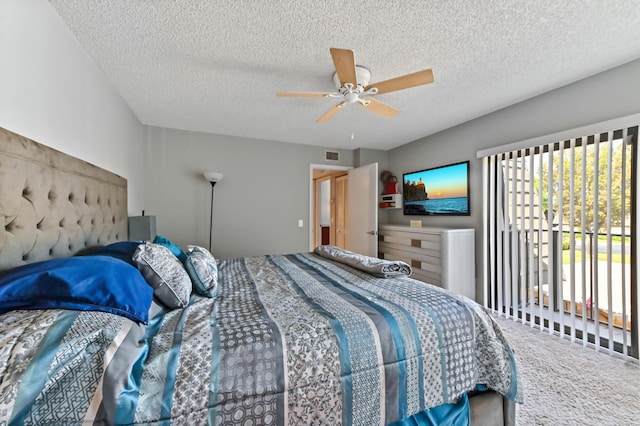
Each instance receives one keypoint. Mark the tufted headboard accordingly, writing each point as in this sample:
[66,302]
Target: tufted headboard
[54,205]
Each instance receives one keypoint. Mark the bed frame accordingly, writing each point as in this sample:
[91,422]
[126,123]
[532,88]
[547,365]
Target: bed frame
[55,205]
[492,409]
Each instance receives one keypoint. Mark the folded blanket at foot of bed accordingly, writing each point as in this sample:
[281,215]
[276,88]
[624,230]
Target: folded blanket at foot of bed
[372,265]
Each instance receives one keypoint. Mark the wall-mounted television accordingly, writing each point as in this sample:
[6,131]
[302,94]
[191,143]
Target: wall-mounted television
[441,190]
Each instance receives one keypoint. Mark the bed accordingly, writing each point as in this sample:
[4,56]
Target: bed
[323,337]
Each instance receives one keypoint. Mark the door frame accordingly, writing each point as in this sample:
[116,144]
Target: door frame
[312,200]
[341,205]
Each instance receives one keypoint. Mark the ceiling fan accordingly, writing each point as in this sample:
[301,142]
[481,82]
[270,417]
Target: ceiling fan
[352,82]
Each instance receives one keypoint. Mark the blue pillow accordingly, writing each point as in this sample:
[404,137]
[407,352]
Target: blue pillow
[173,247]
[122,250]
[84,283]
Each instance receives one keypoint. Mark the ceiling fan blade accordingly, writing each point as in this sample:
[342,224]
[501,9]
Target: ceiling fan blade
[404,82]
[378,107]
[303,94]
[332,111]
[345,64]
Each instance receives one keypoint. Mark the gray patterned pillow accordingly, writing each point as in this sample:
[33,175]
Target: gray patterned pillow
[164,272]
[203,271]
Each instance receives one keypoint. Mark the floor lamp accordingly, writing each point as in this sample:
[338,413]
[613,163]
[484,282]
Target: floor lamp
[213,178]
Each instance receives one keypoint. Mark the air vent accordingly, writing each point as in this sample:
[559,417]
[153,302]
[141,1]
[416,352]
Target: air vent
[332,156]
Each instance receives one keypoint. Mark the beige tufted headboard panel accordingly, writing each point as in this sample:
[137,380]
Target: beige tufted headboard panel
[54,205]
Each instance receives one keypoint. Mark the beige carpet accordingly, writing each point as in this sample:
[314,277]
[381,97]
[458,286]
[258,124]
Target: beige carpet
[567,384]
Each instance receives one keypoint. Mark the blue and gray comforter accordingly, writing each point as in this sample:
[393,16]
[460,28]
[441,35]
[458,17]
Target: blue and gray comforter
[294,339]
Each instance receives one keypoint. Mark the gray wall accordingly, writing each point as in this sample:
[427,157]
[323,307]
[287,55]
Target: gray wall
[51,91]
[614,93]
[364,156]
[257,205]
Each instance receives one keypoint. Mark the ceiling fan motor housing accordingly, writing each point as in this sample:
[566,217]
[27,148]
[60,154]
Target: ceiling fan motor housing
[363,75]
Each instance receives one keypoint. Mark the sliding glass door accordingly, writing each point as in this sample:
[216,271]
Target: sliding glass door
[560,224]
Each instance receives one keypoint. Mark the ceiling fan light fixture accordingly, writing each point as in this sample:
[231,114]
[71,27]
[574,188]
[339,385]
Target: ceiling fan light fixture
[351,97]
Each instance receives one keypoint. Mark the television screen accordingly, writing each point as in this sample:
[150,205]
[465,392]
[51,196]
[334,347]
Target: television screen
[439,191]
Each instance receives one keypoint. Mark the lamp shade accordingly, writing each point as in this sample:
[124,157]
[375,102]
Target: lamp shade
[142,228]
[213,177]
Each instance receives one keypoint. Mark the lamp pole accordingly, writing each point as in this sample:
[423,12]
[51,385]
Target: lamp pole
[211,217]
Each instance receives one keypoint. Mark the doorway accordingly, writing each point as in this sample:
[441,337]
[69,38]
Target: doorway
[328,207]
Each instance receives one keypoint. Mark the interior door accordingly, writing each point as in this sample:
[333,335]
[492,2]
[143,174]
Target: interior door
[362,195]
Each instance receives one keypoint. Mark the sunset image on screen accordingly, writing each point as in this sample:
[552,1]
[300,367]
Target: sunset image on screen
[441,190]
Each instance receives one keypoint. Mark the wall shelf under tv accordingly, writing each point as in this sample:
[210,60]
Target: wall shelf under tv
[391,201]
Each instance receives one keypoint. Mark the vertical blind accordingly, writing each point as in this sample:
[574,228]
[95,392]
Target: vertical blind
[559,235]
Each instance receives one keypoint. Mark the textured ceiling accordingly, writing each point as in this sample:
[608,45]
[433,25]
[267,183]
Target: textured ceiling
[214,66]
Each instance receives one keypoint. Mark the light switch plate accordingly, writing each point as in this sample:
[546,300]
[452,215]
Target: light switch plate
[416,224]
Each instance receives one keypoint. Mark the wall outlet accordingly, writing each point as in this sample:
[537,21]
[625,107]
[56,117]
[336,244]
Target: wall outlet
[300,223]
[416,223]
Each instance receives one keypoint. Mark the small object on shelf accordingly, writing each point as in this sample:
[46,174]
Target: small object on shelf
[391,186]
[390,182]
[385,175]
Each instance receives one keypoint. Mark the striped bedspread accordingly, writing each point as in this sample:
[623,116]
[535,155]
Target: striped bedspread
[293,339]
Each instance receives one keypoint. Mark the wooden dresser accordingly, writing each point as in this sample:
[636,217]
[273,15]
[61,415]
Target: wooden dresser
[441,256]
